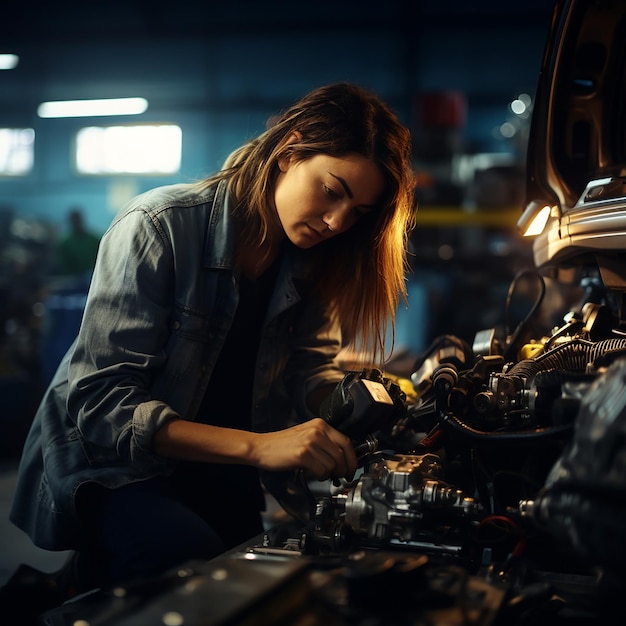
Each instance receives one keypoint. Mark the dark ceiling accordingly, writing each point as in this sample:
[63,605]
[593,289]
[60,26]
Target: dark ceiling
[74,21]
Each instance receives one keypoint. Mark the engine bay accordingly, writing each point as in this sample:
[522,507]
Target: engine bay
[503,461]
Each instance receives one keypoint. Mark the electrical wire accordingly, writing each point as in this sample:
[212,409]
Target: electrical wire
[529,316]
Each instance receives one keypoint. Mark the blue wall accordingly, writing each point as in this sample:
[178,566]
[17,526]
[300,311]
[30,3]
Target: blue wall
[222,89]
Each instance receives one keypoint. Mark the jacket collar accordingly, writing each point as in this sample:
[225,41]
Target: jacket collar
[220,242]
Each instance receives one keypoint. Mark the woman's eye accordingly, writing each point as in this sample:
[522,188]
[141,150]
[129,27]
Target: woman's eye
[331,192]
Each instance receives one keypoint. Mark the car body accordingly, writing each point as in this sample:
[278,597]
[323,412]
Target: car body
[576,158]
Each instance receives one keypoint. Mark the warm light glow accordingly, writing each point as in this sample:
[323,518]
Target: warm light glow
[538,223]
[8,61]
[91,108]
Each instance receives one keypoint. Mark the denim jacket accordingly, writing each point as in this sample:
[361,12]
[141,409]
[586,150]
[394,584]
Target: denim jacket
[162,298]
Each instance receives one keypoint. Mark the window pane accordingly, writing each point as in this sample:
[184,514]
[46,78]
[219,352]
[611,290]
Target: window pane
[142,149]
[16,151]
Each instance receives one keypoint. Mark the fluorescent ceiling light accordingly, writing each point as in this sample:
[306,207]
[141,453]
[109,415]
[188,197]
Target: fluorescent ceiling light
[8,61]
[91,108]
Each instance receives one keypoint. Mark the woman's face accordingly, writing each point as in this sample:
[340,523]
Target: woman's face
[324,196]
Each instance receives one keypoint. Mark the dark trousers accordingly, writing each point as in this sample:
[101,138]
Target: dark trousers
[143,529]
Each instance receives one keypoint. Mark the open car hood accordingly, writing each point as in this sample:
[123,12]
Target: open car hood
[576,161]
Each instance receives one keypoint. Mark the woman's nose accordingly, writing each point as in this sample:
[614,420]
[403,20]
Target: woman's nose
[330,223]
[337,221]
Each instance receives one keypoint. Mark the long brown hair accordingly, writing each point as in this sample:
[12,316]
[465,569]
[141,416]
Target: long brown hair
[363,270]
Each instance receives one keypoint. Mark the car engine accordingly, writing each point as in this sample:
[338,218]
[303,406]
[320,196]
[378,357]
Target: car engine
[506,458]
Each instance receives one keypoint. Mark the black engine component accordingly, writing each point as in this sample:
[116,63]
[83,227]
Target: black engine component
[514,467]
[583,503]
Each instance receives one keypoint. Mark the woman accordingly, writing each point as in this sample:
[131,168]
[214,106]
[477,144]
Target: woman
[210,336]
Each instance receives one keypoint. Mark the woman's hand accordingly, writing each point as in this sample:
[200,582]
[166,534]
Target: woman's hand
[313,446]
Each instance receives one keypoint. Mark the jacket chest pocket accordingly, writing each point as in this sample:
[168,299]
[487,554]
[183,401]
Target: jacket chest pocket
[190,336]
[190,325]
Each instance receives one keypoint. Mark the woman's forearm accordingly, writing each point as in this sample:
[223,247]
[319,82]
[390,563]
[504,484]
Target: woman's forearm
[313,446]
[191,441]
